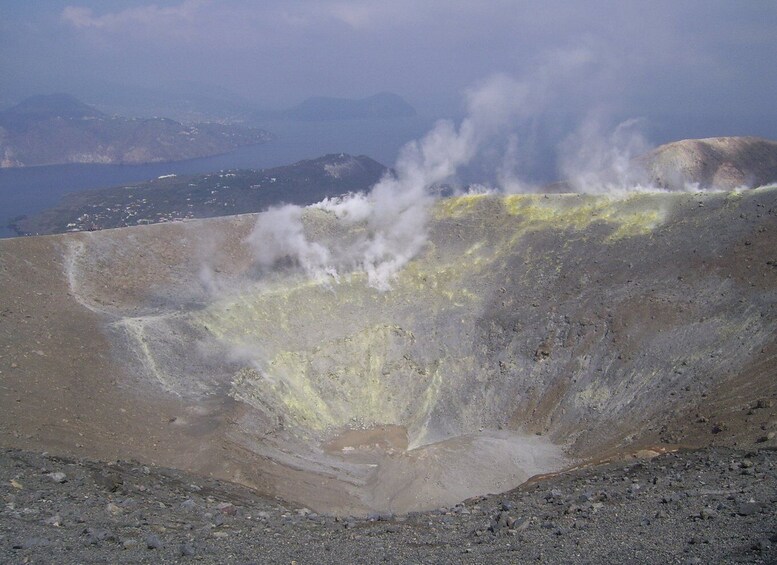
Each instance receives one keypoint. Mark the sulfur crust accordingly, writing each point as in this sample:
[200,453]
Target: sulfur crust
[630,215]
[299,374]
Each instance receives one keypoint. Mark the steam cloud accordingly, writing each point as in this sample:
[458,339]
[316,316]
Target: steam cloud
[280,233]
[394,213]
[393,216]
[596,161]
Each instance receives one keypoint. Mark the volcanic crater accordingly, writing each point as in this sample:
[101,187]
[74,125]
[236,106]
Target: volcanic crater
[532,334]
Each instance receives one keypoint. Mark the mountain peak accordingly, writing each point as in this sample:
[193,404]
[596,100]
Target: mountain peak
[47,106]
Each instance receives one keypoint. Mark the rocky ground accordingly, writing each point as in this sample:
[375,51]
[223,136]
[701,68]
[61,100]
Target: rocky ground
[710,506]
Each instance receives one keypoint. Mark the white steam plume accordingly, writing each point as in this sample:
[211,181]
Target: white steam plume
[279,233]
[394,213]
[508,179]
[595,160]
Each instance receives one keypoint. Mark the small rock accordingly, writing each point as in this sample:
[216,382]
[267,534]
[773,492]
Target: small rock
[499,522]
[231,509]
[521,524]
[707,514]
[55,520]
[111,508]
[189,505]
[109,481]
[96,535]
[718,428]
[186,550]
[29,543]
[153,541]
[58,477]
[761,546]
[748,508]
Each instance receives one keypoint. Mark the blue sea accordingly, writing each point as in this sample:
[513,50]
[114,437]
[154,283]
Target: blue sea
[25,191]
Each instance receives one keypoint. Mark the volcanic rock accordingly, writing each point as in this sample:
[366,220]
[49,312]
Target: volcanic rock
[721,163]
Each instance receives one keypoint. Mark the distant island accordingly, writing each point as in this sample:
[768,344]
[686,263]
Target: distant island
[384,105]
[171,197]
[59,129]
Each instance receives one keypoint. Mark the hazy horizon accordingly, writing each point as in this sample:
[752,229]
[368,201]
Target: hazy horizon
[546,80]
[697,59]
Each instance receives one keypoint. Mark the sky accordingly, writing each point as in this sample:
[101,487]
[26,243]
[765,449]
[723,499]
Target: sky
[710,61]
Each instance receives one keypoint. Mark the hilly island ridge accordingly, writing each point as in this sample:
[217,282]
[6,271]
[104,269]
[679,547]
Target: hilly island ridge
[173,197]
[57,129]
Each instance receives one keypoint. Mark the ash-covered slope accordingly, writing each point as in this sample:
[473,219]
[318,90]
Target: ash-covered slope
[531,333]
[722,163]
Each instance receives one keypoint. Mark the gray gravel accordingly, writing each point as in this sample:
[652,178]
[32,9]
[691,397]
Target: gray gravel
[709,506]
